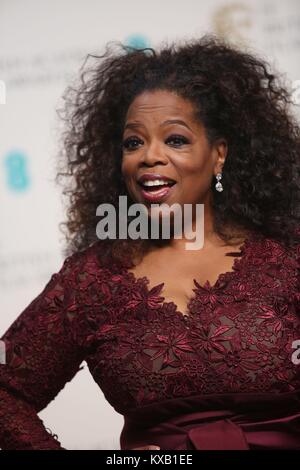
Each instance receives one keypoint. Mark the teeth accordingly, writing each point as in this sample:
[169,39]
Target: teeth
[156,183]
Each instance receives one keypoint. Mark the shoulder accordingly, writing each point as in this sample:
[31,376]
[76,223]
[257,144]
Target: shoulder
[279,252]
[93,261]
[297,248]
[265,250]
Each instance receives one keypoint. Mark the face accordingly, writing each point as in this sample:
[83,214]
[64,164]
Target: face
[162,137]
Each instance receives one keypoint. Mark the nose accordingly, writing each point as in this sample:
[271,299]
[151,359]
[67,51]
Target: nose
[154,154]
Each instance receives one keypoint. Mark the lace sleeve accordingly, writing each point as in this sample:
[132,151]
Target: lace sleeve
[296,254]
[41,356]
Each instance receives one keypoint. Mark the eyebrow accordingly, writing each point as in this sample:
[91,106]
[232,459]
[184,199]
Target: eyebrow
[134,125]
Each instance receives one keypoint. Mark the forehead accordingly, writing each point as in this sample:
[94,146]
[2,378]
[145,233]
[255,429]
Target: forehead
[160,102]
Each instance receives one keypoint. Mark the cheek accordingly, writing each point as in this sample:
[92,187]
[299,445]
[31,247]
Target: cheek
[126,167]
[129,164]
[195,179]
[194,170]
[128,173]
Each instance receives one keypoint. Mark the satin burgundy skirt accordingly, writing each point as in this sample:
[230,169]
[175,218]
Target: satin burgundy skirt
[259,421]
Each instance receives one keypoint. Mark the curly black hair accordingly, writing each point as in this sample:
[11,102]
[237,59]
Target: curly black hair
[235,96]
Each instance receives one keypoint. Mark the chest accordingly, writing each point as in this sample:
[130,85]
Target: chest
[237,337]
[179,273]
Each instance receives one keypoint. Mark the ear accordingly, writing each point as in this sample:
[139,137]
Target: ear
[220,150]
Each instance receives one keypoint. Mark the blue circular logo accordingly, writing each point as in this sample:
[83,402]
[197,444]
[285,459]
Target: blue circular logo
[16,170]
[137,41]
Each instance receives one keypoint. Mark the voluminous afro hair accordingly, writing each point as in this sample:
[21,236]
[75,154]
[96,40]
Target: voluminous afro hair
[235,96]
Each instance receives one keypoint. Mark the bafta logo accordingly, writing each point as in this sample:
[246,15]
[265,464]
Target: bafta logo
[233,22]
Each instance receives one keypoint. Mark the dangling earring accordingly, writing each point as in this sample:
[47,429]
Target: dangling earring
[218,185]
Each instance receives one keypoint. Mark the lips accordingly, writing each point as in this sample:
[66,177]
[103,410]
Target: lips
[154,176]
[156,192]
[159,195]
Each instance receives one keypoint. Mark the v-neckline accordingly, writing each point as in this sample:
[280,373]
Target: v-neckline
[224,276]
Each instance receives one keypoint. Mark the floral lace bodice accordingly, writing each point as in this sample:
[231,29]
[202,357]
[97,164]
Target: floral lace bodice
[236,339]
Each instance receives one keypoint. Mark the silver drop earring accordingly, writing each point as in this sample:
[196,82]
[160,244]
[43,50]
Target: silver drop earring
[219,186]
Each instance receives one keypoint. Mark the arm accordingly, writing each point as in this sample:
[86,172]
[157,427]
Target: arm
[41,356]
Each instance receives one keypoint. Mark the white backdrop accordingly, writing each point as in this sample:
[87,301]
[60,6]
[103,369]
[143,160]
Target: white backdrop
[42,45]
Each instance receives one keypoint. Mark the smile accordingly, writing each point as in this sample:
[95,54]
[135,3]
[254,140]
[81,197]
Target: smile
[157,192]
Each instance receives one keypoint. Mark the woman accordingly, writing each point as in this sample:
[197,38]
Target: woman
[196,348]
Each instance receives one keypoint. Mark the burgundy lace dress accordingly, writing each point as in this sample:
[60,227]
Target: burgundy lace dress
[220,378]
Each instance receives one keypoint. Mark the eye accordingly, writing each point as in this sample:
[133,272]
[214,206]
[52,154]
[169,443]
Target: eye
[127,143]
[178,138]
[130,143]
